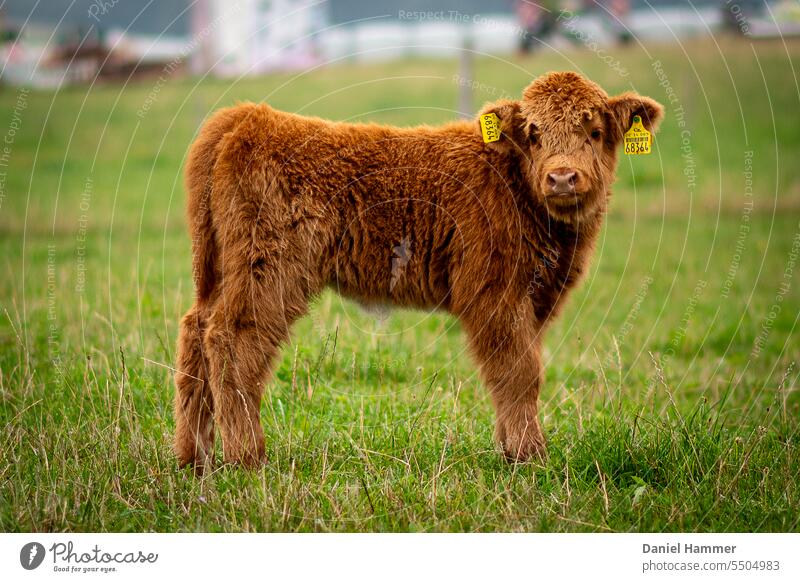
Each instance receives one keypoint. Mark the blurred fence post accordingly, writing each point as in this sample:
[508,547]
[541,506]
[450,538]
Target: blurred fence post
[200,59]
[465,74]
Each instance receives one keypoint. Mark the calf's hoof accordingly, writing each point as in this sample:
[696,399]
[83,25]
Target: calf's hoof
[524,444]
[523,452]
[198,458]
[250,458]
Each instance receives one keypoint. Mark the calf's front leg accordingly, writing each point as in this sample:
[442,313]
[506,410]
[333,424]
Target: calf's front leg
[510,364]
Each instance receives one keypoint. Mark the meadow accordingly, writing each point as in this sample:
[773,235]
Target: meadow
[670,400]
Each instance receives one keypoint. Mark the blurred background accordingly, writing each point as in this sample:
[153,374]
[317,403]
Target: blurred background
[68,41]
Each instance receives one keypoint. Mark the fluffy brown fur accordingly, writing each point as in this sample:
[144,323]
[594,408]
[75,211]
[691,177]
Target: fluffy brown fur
[281,206]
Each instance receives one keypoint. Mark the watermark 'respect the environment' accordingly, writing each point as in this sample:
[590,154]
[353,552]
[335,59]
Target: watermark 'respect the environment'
[744,225]
[177,62]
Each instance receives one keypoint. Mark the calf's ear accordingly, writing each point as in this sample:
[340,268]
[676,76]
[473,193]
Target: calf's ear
[507,112]
[623,108]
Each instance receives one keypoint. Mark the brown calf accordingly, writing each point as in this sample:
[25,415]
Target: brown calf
[281,206]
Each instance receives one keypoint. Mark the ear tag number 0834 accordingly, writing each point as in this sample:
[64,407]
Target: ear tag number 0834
[637,139]
[490,127]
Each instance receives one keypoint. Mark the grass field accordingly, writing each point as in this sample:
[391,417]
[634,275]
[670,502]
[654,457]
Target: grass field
[670,400]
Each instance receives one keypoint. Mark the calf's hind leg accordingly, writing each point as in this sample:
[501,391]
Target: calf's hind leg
[244,336]
[194,406]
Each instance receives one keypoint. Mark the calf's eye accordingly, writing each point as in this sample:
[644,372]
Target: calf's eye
[596,134]
[532,137]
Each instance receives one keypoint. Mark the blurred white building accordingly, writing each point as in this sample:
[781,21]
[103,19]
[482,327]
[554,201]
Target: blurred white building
[231,38]
[240,37]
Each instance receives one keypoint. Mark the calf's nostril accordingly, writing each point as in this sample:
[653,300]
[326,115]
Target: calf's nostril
[562,181]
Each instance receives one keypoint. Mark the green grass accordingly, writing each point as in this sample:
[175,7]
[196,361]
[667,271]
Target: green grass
[660,414]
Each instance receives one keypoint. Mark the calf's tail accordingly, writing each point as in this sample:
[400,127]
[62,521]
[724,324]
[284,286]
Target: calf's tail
[199,173]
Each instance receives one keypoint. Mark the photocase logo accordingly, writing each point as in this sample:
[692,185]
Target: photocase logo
[31,555]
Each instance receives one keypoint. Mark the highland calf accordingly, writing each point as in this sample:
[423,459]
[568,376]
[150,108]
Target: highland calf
[281,206]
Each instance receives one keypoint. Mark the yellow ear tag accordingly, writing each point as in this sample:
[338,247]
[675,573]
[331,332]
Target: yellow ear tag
[490,127]
[637,139]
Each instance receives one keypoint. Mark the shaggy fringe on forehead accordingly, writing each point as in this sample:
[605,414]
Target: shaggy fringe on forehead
[562,98]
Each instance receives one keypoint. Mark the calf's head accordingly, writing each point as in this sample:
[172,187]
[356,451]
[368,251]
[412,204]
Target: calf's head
[565,132]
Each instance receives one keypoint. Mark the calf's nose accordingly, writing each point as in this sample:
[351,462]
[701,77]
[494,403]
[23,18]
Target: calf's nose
[562,181]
